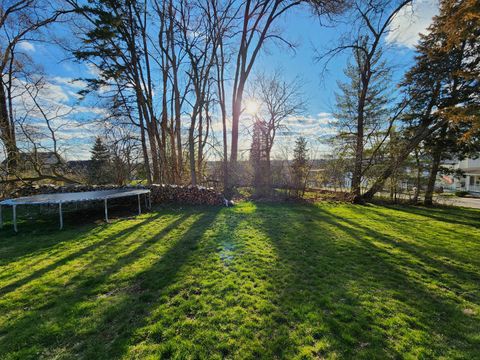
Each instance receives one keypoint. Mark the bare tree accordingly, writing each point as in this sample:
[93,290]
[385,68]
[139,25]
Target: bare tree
[38,125]
[278,101]
[20,20]
[125,149]
[256,22]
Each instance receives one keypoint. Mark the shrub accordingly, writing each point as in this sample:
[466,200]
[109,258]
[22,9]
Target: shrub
[461,193]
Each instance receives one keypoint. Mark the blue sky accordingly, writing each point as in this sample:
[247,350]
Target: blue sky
[300,27]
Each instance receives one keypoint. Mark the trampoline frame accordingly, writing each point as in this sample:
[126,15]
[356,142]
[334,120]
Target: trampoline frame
[104,195]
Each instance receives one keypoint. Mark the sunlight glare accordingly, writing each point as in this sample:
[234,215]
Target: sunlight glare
[252,106]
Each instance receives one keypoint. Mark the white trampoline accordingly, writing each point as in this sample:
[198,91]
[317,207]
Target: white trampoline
[66,198]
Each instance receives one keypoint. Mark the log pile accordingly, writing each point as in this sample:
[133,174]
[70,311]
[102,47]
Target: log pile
[193,195]
[161,193]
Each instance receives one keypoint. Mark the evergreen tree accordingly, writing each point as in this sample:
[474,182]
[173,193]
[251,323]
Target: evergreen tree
[360,139]
[443,86]
[99,172]
[300,166]
[444,78]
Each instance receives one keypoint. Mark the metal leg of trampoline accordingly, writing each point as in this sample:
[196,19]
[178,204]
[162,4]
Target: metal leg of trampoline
[139,205]
[61,215]
[106,211]
[15,218]
[149,201]
[1,217]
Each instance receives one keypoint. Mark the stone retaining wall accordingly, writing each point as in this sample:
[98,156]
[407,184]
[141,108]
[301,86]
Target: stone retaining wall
[161,193]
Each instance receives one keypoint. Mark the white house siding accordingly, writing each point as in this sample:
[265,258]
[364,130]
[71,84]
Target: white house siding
[471,181]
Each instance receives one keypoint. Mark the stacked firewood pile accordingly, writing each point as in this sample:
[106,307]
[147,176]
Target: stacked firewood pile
[161,193]
[194,195]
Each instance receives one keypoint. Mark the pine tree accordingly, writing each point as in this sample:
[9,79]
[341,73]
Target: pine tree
[300,166]
[459,22]
[99,171]
[443,85]
[444,78]
[359,133]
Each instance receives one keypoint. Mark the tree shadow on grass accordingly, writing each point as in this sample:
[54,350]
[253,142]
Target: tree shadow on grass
[450,214]
[350,298]
[451,251]
[75,255]
[460,277]
[435,292]
[120,323]
[219,304]
[276,281]
[316,314]
[42,234]
[97,313]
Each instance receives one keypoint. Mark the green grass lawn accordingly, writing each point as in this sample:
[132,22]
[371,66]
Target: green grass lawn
[253,281]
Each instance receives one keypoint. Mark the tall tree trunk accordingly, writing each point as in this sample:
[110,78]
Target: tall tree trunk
[359,141]
[268,169]
[143,140]
[176,94]
[179,143]
[418,178]
[236,110]
[200,147]
[173,151]
[7,131]
[225,150]
[358,168]
[432,178]
[436,158]
[176,134]
[154,153]
[422,133]
[191,148]
[220,63]
[164,123]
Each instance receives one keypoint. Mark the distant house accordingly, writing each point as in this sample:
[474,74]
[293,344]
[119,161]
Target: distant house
[45,161]
[469,181]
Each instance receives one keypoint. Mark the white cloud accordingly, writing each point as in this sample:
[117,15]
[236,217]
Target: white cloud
[79,151]
[311,127]
[411,21]
[70,82]
[75,126]
[26,46]
[54,95]
[54,92]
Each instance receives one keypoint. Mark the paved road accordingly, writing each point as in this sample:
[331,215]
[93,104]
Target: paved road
[458,201]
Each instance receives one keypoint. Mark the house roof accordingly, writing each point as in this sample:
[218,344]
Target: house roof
[472,172]
[43,157]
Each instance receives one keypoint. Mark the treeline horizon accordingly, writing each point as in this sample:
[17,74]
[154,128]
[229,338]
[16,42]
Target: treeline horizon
[171,71]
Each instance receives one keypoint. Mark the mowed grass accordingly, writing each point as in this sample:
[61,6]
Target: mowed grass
[273,281]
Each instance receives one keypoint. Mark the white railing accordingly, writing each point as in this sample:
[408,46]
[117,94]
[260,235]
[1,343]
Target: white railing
[474,188]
